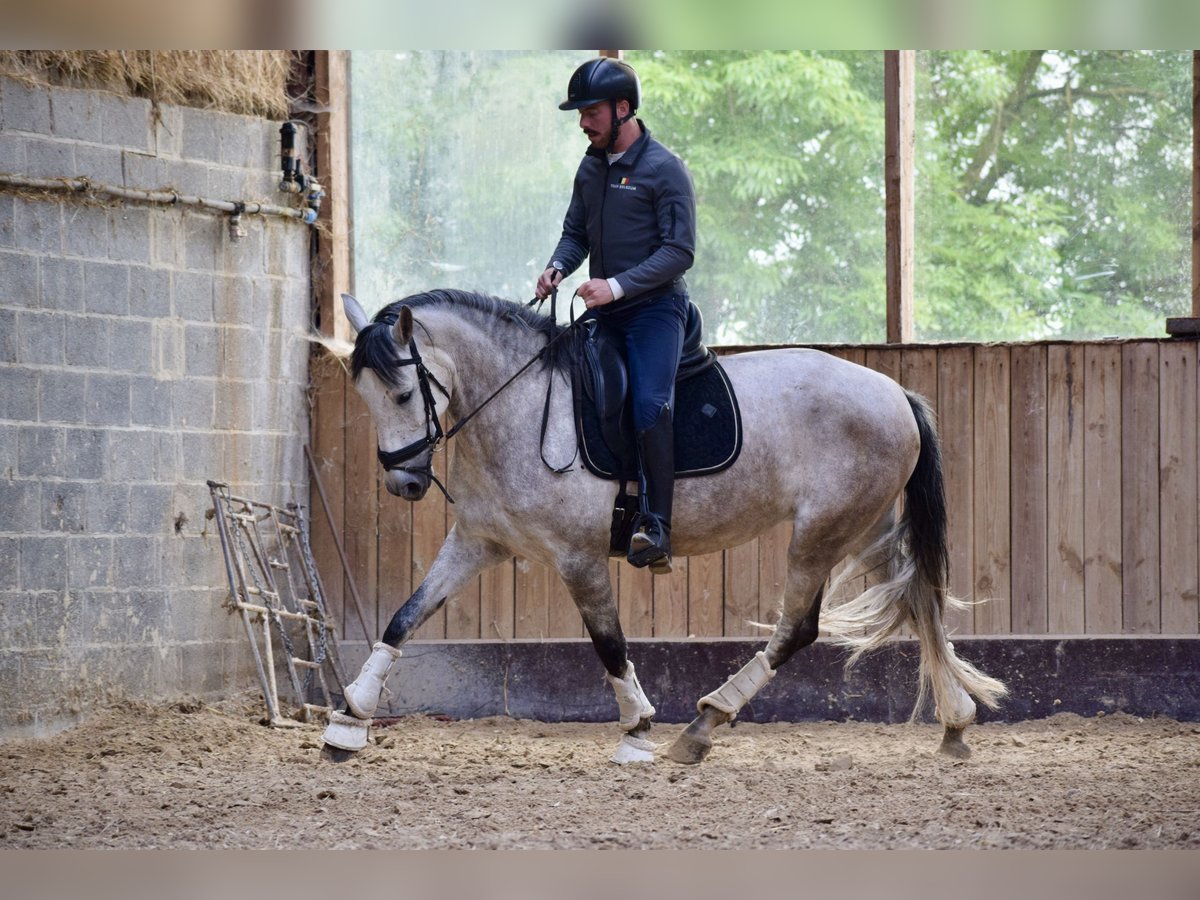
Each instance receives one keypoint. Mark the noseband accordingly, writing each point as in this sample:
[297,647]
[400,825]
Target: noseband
[394,460]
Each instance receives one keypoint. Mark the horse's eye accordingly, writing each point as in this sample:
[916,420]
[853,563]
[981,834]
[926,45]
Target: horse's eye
[401,399]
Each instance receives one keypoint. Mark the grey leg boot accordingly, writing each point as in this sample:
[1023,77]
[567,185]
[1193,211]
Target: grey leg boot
[651,541]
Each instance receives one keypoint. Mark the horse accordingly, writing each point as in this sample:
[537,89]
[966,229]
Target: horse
[829,446]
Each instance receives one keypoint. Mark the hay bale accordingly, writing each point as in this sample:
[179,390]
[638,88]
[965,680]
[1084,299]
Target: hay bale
[250,82]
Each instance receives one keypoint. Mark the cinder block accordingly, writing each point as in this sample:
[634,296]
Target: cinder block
[150,621]
[143,171]
[19,499]
[75,114]
[85,230]
[9,563]
[8,335]
[202,350]
[193,401]
[132,346]
[12,154]
[86,342]
[40,339]
[247,255]
[190,179]
[39,450]
[201,453]
[167,454]
[43,563]
[106,288]
[62,284]
[107,507]
[125,121]
[168,130]
[241,142]
[225,184]
[234,300]
[9,443]
[150,401]
[194,296]
[37,225]
[129,234]
[149,292]
[106,615]
[84,451]
[150,509]
[201,138]
[61,396]
[18,618]
[244,354]
[18,394]
[18,279]
[49,159]
[234,410]
[164,224]
[63,506]
[107,399]
[59,616]
[89,562]
[202,241]
[25,108]
[99,165]
[7,238]
[131,456]
[136,561]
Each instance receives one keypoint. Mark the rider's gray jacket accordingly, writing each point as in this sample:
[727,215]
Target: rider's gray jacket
[635,218]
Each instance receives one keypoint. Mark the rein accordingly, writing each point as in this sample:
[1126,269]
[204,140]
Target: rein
[434,435]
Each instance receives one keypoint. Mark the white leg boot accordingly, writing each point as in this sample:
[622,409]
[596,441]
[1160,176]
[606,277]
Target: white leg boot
[631,699]
[740,688]
[363,694]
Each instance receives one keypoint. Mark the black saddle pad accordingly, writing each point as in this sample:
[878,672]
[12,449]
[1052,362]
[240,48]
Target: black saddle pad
[708,430]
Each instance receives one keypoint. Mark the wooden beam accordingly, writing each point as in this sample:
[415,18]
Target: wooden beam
[898,92]
[334,274]
[1190,326]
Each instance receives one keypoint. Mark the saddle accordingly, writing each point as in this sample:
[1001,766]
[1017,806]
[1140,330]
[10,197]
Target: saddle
[706,418]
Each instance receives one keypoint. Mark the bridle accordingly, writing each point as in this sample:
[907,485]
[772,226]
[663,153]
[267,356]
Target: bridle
[394,460]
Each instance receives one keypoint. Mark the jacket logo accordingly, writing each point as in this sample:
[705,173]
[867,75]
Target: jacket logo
[624,185]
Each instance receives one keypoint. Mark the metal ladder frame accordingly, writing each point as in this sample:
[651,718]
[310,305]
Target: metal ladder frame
[255,591]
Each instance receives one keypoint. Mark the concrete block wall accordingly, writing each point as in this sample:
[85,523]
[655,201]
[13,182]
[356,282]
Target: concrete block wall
[142,352]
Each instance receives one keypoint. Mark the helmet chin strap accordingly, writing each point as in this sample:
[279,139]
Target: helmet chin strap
[616,126]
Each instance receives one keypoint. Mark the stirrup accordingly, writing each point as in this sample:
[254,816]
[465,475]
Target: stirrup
[646,550]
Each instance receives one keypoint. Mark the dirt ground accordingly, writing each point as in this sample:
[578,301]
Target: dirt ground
[193,775]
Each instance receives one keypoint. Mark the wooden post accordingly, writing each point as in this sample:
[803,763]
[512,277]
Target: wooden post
[1190,326]
[333,275]
[898,72]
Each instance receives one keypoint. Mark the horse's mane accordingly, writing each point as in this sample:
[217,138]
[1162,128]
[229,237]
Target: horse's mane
[375,349]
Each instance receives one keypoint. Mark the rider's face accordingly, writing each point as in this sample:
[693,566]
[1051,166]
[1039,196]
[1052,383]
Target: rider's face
[596,121]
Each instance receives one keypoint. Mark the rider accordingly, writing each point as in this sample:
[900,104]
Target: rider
[633,214]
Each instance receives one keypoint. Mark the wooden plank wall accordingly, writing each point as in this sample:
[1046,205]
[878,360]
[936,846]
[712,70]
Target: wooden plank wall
[1072,476]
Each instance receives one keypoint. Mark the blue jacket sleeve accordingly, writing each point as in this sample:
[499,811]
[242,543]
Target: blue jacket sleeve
[572,248]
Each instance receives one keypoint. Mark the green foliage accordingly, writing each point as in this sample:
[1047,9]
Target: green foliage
[1053,187]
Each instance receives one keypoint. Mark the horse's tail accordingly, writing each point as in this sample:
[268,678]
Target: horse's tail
[916,590]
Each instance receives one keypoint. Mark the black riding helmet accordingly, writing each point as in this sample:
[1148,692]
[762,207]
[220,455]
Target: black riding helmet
[603,79]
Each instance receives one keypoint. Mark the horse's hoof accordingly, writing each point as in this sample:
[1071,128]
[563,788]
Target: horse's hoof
[333,754]
[690,749]
[953,744]
[633,750]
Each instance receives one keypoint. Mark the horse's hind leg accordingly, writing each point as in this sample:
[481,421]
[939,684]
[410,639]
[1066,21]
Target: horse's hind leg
[591,589]
[796,630]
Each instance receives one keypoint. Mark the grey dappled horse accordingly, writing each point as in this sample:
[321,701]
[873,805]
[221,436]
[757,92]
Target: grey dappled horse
[829,446]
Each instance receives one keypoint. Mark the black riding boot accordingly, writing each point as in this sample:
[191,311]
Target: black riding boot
[651,541]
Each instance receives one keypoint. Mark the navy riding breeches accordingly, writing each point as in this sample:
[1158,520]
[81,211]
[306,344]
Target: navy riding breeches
[653,336]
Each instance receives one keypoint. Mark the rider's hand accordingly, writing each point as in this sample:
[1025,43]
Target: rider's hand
[595,292]
[547,281]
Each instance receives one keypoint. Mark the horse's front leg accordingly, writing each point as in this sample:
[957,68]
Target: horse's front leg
[460,559]
[591,588]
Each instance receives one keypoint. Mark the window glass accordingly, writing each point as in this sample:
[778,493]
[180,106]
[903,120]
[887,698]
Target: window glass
[786,152]
[1053,193]
[462,169]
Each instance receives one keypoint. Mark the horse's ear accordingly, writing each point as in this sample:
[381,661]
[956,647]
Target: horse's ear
[355,313]
[402,330]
